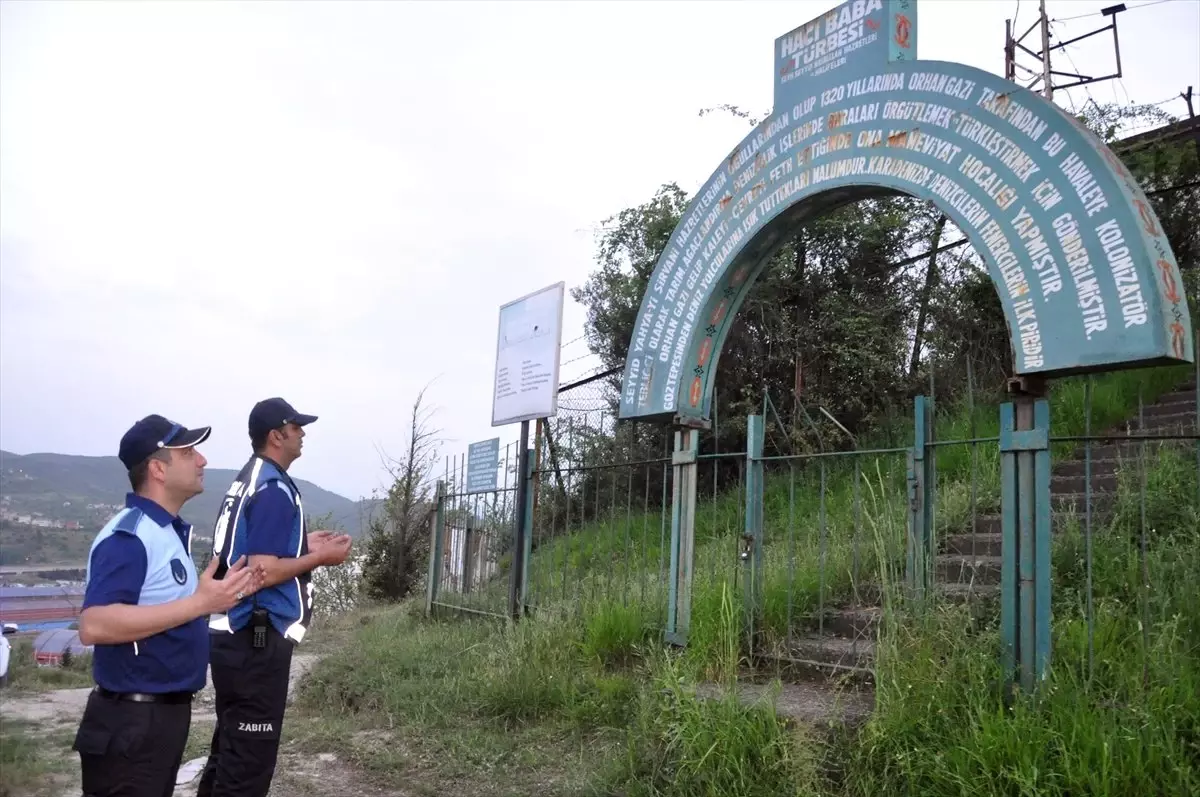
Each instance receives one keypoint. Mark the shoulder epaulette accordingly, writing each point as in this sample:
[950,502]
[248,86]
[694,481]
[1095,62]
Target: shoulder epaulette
[129,522]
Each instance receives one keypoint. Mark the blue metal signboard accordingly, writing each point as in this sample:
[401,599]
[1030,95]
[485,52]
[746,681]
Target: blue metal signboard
[1084,272]
[483,463]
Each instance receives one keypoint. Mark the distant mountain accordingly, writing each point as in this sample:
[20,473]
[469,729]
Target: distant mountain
[83,490]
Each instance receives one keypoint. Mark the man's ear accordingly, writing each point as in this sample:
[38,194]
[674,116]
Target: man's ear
[157,468]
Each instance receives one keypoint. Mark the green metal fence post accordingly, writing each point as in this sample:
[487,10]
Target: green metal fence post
[920,507]
[527,550]
[468,542]
[1042,531]
[683,534]
[752,539]
[517,577]
[1025,546]
[1009,547]
[436,537]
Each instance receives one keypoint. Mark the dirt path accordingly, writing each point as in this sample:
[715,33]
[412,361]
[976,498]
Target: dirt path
[54,716]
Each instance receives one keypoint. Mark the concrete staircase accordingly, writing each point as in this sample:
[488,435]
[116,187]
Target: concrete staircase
[967,567]
[970,561]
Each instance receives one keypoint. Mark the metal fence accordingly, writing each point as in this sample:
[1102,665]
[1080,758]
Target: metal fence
[839,526]
[471,553]
[1125,492]
[602,508]
[968,498]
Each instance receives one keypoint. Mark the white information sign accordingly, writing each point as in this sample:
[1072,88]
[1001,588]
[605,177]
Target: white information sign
[527,351]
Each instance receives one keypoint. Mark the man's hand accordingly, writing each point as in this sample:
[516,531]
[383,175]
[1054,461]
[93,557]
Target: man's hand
[318,538]
[332,551]
[118,623]
[239,582]
[335,550]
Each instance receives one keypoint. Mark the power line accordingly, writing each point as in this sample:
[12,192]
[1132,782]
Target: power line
[1177,98]
[1172,188]
[575,359]
[1086,90]
[1100,13]
[1046,75]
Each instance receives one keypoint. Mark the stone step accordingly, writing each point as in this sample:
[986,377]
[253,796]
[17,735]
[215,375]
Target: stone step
[1077,502]
[1078,467]
[1061,522]
[991,526]
[1172,404]
[1163,423]
[1077,483]
[1102,513]
[832,655]
[981,544]
[1126,451]
[853,622]
[980,524]
[966,569]
[1064,505]
[968,592]
[989,541]
[818,702]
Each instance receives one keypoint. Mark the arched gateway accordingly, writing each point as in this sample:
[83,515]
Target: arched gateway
[1084,272]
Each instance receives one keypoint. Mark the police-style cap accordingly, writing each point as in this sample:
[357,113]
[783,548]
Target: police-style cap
[155,432]
[273,413]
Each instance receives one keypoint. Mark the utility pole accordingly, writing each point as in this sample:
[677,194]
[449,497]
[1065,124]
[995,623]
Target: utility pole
[1187,97]
[1045,74]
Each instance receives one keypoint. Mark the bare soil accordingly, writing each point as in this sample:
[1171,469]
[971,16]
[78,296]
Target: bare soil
[53,717]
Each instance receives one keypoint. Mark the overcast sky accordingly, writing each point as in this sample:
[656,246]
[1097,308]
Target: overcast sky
[205,204]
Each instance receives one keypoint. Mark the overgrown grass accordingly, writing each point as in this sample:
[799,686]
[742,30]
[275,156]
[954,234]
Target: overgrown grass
[475,697]
[1120,714]
[27,761]
[25,675]
[830,523]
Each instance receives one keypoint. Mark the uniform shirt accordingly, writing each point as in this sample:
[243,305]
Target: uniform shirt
[263,515]
[142,557]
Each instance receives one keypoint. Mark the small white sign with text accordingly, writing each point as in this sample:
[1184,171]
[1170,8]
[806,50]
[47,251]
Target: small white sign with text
[527,351]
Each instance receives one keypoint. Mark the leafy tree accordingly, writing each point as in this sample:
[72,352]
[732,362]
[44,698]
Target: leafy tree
[1162,164]
[628,250]
[397,548]
[336,588]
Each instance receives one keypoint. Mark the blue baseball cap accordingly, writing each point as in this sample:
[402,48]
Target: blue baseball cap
[155,432]
[273,413]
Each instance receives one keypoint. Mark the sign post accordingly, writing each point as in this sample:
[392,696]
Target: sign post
[525,388]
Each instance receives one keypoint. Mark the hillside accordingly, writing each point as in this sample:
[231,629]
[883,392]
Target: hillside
[68,488]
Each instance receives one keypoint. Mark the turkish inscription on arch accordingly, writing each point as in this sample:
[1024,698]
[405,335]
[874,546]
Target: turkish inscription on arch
[1084,272]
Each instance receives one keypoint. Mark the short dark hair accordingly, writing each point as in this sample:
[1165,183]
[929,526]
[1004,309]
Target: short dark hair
[258,439]
[139,472]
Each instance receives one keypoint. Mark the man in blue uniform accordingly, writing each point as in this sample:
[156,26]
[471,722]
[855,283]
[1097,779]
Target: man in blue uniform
[145,611]
[262,517]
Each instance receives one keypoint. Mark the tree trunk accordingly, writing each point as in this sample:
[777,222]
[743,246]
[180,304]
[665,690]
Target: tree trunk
[798,360]
[931,276]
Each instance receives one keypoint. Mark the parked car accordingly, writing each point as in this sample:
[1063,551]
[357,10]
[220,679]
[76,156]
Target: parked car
[6,651]
[51,647]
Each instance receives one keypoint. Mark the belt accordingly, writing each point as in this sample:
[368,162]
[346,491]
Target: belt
[143,697]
